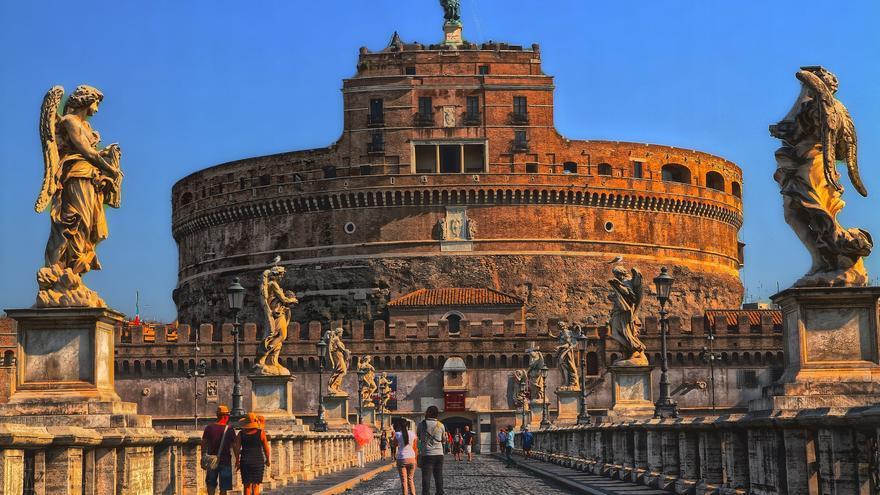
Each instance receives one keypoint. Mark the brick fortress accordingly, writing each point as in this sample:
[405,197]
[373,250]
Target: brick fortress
[450,173]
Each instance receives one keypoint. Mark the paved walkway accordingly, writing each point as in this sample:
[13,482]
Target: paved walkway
[336,482]
[580,482]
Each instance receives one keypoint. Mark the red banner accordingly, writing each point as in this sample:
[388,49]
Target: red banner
[453,401]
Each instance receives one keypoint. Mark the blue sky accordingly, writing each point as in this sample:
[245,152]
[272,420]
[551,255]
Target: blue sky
[189,84]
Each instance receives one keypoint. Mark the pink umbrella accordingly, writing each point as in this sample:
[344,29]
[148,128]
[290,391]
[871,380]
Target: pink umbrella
[363,434]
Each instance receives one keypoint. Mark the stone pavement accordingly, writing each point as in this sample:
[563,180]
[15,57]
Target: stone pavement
[336,482]
[486,475]
[580,482]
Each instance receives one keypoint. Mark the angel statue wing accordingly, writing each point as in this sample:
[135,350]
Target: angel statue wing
[637,289]
[51,160]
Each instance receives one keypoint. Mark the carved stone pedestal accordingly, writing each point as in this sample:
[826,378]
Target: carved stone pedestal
[537,408]
[336,411]
[631,392]
[830,338]
[368,415]
[272,396]
[568,406]
[64,371]
[452,32]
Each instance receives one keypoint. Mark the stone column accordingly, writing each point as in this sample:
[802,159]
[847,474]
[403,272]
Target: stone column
[764,460]
[105,470]
[671,461]
[654,452]
[710,457]
[193,475]
[735,459]
[11,472]
[64,470]
[688,460]
[800,462]
[838,463]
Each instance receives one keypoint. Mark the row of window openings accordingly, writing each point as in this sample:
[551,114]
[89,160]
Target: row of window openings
[410,70]
[425,115]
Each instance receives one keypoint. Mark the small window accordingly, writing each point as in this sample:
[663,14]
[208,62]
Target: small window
[520,141]
[186,198]
[377,111]
[520,109]
[747,379]
[472,112]
[638,171]
[592,364]
[329,172]
[242,183]
[603,169]
[426,106]
[569,168]
[714,180]
[265,179]
[531,168]
[366,170]
[483,70]
[735,189]
[454,324]
[410,70]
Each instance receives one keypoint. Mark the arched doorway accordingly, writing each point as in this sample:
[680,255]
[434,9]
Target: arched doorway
[453,423]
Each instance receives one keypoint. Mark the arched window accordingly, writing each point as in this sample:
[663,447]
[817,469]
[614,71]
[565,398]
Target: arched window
[673,172]
[592,364]
[186,198]
[603,169]
[8,358]
[569,168]
[454,323]
[736,189]
[714,180]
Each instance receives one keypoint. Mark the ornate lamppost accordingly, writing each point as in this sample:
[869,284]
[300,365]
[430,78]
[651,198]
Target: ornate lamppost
[709,356]
[381,408]
[235,295]
[320,422]
[583,416]
[195,374]
[665,407]
[360,374]
[545,423]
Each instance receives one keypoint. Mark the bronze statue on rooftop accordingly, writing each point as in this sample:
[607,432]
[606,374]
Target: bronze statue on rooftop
[79,178]
[451,11]
[817,132]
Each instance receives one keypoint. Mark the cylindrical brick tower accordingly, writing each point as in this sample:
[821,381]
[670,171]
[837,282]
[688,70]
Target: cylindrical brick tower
[450,173]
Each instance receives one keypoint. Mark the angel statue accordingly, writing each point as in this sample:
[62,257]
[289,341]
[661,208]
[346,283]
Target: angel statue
[522,389]
[78,180]
[368,380]
[566,356]
[624,322]
[536,375]
[276,305]
[384,390]
[816,133]
[451,11]
[339,359]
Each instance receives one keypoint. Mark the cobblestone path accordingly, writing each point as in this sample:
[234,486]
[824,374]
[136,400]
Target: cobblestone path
[484,476]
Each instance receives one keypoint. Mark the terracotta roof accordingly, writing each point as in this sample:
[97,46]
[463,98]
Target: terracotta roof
[732,315]
[456,297]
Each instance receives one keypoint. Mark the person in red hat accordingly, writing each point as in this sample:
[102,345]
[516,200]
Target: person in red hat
[217,441]
[252,453]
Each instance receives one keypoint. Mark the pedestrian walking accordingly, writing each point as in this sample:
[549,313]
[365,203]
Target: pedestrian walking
[252,454]
[457,444]
[508,451]
[217,440]
[432,436]
[468,438]
[406,454]
[383,444]
[527,441]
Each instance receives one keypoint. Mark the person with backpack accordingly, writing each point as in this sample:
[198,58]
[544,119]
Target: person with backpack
[508,451]
[217,442]
[457,444]
[527,441]
[406,454]
[432,435]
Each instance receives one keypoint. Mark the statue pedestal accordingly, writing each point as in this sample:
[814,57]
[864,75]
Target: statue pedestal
[272,396]
[568,406]
[631,392]
[537,408]
[336,411]
[831,339]
[64,370]
[452,34]
[368,415]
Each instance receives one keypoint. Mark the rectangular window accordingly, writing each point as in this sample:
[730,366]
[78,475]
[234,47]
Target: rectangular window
[473,105]
[366,170]
[483,70]
[531,168]
[410,70]
[520,141]
[242,183]
[377,111]
[426,107]
[520,109]
[426,159]
[638,173]
[450,159]
[377,142]
[747,379]
[474,161]
[329,172]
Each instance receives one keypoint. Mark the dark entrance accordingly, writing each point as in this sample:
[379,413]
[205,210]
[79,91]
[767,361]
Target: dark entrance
[457,423]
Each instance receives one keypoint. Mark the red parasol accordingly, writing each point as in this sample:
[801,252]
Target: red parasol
[363,434]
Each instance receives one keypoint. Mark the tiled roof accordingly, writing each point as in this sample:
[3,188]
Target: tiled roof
[732,315]
[456,297]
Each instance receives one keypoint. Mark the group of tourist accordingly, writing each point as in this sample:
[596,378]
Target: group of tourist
[249,448]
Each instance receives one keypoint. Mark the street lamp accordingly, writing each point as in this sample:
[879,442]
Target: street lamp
[235,296]
[195,374]
[665,407]
[361,372]
[544,422]
[382,408]
[709,356]
[583,416]
[320,423]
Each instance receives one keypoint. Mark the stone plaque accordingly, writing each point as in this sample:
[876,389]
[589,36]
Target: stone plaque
[633,388]
[448,116]
[57,355]
[838,334]
[211,394]
[270,397]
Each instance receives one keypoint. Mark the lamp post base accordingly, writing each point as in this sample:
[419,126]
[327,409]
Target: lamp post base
[667,408]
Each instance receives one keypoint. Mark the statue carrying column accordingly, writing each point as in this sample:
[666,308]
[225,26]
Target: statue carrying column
[339,357]
[276,304]
[817,132]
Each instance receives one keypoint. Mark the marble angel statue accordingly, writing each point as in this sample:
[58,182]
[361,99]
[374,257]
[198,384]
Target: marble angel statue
[536,373]
[626,297]
[339,356]
[521,378]
[368,380]
[276,304]
[79,178]
[566,356]
[817,132]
